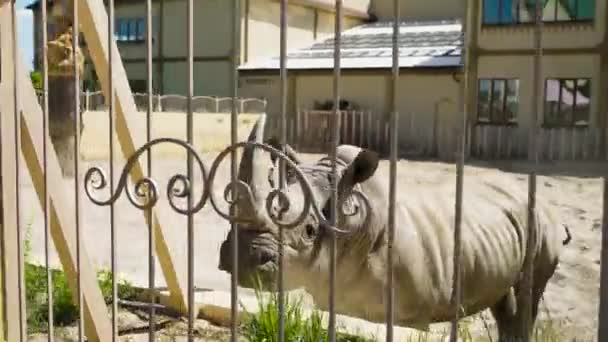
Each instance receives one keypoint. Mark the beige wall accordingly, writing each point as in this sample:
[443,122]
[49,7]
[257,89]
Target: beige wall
[210,78]
[420,95]
[419,9]
[263,25]
[212,27]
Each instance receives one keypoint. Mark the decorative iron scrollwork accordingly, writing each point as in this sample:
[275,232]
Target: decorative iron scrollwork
[144,194]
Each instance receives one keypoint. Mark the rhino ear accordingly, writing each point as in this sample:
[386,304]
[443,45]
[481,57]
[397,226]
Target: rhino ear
[289,151]
[360,169]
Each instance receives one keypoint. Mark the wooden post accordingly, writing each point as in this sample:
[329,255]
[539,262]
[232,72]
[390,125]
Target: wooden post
[97,322]
[8,182]
[94,26]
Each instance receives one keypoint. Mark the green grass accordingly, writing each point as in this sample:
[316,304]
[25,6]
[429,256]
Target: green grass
[65,312]
[263,325]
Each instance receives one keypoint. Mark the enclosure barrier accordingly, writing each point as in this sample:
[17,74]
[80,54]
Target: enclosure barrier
[95,101]
[22,130]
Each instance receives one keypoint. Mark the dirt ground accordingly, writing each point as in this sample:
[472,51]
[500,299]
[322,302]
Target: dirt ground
[572,295]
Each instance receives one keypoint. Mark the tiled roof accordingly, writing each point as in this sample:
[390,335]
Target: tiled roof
[421,44]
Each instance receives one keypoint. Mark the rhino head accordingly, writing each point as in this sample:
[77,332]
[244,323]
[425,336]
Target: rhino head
[306,245]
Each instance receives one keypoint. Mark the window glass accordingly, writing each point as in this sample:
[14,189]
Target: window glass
[506,11]
[141,29]
[585,9]
[512,101]
[132,29]
[124,30]
[484,100]
[498,101]
[567,102]
[490,11]
[581,107]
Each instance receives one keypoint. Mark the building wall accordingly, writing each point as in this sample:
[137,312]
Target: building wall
[420,96]
[212,28]
[137,49]
[210,78]
[306,24]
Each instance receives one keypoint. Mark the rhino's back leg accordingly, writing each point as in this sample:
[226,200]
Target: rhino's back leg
[508,313]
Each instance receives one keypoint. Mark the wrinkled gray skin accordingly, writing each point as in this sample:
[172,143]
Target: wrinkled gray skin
[493,250]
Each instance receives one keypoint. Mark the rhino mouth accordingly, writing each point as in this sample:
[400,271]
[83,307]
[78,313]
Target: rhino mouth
[257,259]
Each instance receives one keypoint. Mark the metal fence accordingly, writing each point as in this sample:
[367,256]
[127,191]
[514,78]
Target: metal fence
[245,198]
[95,101]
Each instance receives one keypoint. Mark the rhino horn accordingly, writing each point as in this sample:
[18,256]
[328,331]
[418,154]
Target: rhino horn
[253,170]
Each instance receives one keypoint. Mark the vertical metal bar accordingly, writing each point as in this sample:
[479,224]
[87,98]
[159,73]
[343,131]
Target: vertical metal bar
[533,156]
[45,132]
[390,291]
[236,43]
[574,103]
[462,143]
[151,237]
[335,137]
[602,334]
[283,138]
[75,47]
[111,110]
[189,124]
[17,118]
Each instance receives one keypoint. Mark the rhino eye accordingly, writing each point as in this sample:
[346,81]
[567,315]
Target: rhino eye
[310,231]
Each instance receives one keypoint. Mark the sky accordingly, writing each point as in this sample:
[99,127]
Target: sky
[25,32]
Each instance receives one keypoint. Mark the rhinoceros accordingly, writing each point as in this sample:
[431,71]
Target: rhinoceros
[494,235]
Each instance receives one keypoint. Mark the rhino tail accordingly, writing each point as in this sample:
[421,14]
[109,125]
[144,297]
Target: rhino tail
[568,236]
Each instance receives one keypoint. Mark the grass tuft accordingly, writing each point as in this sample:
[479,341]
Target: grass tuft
[263,326]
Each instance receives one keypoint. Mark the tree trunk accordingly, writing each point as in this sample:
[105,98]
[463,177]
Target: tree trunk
[61,94]
[61,120]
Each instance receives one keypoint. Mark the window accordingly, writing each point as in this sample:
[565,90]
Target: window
[504,12]
[130,29]
[141,29]
[567,102]
[138,86]
[498,101]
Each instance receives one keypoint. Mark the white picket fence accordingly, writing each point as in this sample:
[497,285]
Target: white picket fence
[95,101]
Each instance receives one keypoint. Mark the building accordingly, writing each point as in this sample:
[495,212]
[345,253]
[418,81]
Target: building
[259,31]
[574,71]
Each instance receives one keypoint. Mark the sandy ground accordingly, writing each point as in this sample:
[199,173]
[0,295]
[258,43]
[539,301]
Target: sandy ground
[574,189]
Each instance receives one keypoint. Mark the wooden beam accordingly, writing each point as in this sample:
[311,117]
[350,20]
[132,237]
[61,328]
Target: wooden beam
[97,323]
[10,236]
[94,26]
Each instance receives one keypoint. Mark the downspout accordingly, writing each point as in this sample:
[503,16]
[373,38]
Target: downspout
[602,112]
[245,32]
[470,91]
[161,55]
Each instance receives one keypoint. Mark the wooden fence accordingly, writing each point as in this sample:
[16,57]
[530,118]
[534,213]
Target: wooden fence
[423,136]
